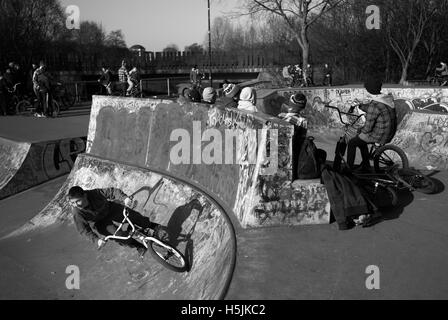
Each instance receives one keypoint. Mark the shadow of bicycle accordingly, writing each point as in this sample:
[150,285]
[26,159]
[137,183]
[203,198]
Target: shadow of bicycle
[175,231]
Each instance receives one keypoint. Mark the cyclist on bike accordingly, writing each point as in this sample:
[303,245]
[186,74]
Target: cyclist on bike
[96,213]
[380,125]
[105,79]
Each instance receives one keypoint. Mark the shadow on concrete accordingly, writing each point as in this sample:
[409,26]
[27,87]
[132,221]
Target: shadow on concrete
[174,227]
[405,198]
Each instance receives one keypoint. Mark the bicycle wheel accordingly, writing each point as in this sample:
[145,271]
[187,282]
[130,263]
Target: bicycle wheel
[387,156]
[417,180]
[23,107]
[68,100]
[168,256]
[382,196]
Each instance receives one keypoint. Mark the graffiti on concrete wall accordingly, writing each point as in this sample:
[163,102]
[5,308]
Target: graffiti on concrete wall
[59,156]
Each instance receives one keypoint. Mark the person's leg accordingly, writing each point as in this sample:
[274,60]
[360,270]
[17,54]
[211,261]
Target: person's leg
[365,163]
[50,105]
[2,105]
[351,150]
[40,102]
[106,227]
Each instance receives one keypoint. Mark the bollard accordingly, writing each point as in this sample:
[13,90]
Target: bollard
[168,84]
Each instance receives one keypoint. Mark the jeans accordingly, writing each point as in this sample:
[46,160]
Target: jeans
[351,152]
[107,227]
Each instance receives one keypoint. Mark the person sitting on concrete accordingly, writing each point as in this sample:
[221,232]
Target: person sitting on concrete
[209,95]
[191,95]
[379,127]
[231,95]
[248,100]
[291,109]
[95,211]
[291,112]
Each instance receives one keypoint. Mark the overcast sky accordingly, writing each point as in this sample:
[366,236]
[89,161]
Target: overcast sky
[153,23]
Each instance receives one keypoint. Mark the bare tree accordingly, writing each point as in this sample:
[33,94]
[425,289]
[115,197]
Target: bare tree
[406,22]
[115,39]
[298,16]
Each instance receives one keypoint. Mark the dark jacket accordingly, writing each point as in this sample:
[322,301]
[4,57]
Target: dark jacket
[346,198]
[98,209]
[106,77]
[226,102]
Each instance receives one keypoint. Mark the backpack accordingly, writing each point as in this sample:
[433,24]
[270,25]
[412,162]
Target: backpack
[310,160]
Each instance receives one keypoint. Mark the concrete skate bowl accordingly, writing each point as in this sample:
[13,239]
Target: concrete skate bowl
[24,165]
[49,243]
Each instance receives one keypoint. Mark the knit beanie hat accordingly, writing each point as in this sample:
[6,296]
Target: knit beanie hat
[209,95]
[230,90]
[373,85]
[298,99]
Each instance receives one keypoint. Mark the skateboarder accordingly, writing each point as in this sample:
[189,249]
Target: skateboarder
[95,211]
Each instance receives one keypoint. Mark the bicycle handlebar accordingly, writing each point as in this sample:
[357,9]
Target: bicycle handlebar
[125,219]
[340,113]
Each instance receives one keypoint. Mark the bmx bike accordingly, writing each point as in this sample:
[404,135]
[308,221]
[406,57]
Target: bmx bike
[28,107]
[391,166]
[164,253]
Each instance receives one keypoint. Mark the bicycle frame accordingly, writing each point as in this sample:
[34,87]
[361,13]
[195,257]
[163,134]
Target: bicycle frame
[143,238]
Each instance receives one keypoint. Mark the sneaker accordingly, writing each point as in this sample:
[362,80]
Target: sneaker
[141,251]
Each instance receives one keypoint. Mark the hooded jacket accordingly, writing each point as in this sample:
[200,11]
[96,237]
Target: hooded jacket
[381,120]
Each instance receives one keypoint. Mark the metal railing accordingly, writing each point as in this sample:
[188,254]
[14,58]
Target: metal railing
[83,90]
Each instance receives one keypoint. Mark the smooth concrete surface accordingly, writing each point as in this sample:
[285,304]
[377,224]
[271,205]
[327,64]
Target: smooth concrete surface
[31,129]
[42,249]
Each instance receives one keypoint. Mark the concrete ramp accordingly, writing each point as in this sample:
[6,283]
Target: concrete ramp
[49,243]
[24,165]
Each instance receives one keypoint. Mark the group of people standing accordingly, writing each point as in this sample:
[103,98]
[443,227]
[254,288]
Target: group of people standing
[304,77]
[16,82]
[128,80]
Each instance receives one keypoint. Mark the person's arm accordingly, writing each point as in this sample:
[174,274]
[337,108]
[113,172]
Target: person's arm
[83,227]
[371,116]
[113,194]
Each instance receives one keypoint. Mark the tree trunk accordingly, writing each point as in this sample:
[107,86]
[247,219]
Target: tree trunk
[404,72]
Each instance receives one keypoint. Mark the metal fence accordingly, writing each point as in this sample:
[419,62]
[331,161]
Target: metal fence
[83,90]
